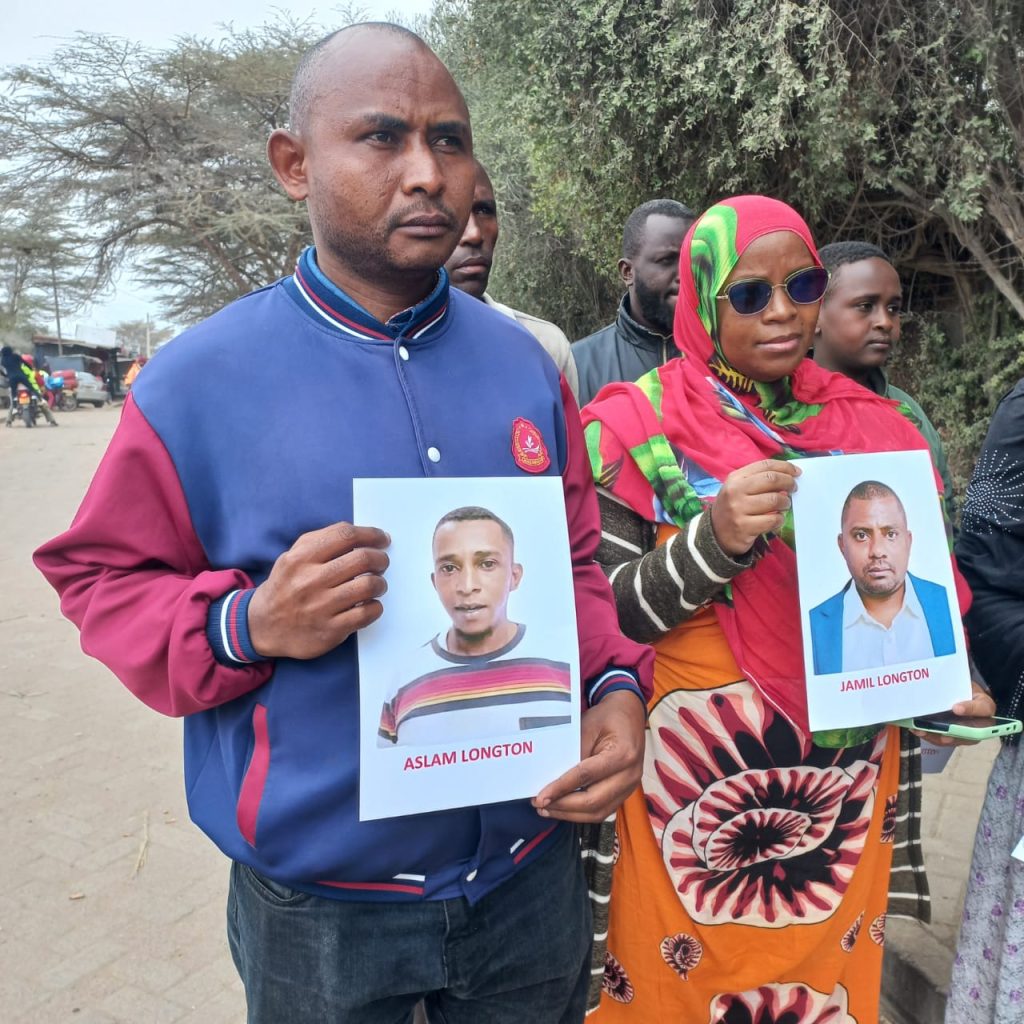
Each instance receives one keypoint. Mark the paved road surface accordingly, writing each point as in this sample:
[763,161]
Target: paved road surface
[111,901]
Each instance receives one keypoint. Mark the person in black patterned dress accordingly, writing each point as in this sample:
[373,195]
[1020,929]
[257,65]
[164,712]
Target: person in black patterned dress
[988,971]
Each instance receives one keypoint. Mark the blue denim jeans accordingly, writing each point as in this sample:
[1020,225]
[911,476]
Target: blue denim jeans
[520,955]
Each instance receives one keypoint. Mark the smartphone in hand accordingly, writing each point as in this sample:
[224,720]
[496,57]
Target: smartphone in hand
[962,727]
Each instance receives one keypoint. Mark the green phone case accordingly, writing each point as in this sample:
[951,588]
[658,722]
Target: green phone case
[1005,727]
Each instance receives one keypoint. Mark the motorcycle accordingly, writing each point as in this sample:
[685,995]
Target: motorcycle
[28,406]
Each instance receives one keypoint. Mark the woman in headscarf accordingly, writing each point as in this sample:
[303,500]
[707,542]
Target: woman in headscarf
[751,870]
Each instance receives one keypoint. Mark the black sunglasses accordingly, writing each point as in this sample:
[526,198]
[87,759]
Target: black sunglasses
[753,295]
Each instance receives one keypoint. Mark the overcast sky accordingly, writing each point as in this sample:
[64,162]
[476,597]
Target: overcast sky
[31,30]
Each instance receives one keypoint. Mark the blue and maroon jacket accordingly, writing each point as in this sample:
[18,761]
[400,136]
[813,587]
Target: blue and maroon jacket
[216,469]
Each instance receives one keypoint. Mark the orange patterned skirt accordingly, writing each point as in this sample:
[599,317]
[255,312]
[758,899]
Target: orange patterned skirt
[752,868]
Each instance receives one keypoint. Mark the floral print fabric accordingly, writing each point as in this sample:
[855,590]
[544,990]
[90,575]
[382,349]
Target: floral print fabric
[782,1004]
[769,838]
[988,970]
[752,877]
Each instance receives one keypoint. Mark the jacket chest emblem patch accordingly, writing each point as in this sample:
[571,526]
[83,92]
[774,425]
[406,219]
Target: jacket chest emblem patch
[528,448]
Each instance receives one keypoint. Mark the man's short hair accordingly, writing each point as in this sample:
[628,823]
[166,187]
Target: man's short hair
[469,513]
[868,490]
[633,232]
[303,87]
[838,254]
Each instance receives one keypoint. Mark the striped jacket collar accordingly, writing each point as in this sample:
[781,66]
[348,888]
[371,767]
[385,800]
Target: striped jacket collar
[325,302]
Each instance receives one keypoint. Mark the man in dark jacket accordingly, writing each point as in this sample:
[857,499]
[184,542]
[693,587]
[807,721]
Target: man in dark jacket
[20,373]
[641,336]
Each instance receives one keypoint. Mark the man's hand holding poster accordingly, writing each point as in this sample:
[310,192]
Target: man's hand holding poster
[881,624]
[469,681]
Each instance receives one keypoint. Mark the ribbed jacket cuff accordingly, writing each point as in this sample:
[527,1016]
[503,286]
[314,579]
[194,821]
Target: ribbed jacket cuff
[610,681]
[227,629]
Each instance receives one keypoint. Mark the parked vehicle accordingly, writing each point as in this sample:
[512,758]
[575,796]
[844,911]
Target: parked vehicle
[86,389]
[91,390]
[85,364]
[106,371]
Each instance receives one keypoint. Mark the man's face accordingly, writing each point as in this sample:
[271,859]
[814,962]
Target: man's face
[876,545]
[474,572]
[652,275]
[859,322]
[387,164]
[470,265]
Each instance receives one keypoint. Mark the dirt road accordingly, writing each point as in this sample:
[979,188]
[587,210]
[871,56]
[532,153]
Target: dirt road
[111,901]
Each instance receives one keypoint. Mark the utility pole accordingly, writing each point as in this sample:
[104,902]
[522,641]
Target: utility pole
[147,336]
[56,309]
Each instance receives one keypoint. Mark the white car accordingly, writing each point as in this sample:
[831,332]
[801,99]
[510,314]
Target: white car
[91,390]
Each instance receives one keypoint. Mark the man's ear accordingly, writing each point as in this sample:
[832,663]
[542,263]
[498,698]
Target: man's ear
[626,271]
[517,575]
[287,155]
[433,581]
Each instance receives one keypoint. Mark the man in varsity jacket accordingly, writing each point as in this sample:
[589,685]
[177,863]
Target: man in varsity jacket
[213,566]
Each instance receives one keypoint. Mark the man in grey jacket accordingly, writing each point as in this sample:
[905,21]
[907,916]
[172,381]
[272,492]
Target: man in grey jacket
[641,336]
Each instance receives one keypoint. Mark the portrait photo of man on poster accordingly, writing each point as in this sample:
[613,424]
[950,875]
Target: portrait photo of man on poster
[883,614]
[480,676]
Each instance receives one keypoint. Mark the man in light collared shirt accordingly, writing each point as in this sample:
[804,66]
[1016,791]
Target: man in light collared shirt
[884,615]
[469,268]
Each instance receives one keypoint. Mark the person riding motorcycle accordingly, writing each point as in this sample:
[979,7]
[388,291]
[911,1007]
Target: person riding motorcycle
[21,372]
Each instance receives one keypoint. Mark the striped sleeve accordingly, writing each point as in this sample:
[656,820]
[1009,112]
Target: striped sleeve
[908,883]
[613,680]
[658,587]
[598,848]
[227,629]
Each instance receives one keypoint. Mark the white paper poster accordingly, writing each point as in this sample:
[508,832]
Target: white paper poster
[469,688]
[882,633]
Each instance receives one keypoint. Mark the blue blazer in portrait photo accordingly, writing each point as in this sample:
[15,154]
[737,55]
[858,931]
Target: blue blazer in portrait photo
[827,624]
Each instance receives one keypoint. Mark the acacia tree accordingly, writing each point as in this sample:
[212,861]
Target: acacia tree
[140,336]
[42,267]
[886,119]
[943,83]
[158,156]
